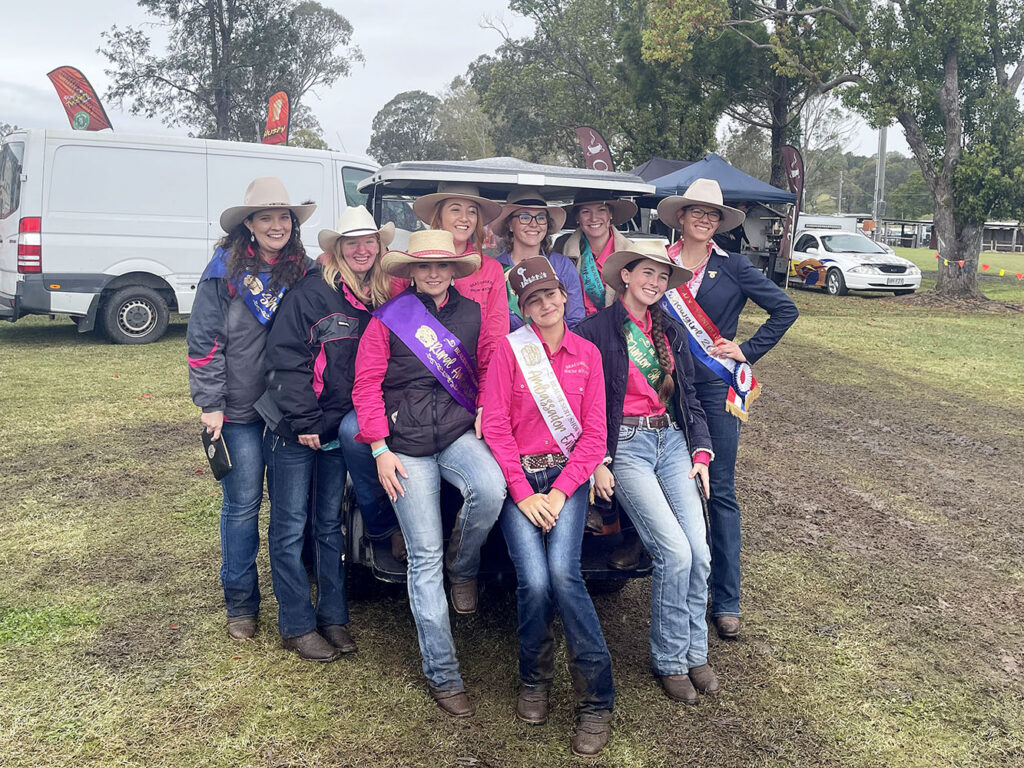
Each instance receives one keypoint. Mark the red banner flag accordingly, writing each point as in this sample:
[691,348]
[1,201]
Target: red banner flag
[1020,276]
[961,263]
[278,115]
[596,154]
[984,267]
[793,165]
[85,113]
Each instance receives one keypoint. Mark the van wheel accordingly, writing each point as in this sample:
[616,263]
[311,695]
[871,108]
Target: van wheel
[135,315]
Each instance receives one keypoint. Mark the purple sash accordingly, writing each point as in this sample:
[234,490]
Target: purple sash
[435,346]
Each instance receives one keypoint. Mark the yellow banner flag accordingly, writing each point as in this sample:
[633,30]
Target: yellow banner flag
[1002,272]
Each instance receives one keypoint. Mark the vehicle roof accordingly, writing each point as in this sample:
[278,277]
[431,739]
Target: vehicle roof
[829,231]
[496,175]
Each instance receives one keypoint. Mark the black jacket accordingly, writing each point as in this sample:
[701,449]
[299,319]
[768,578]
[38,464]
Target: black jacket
[423,418]
[311,356]
[607,331]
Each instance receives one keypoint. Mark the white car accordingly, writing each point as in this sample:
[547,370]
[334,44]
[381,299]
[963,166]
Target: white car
[851,262]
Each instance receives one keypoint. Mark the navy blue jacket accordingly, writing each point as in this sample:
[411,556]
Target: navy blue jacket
[607,331]
[728,282]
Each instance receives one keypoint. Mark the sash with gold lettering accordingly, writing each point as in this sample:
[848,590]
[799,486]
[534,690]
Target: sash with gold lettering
[543,385]
[702,334]
[435,346]
[642,354]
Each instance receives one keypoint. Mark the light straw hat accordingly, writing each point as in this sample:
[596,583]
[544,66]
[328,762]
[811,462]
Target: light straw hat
[704,192]
[531,198]
[425,246]
[261,194]
[424,206]
[654,250]
[355,221]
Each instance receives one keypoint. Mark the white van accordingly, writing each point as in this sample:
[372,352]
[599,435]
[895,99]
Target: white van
[115,230]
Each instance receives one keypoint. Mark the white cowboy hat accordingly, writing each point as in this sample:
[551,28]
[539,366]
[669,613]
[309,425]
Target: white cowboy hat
[261,194]
[531,198]
[425,246]
[355,221]
[622,210]
[424,206]
[654,250]
[704,192]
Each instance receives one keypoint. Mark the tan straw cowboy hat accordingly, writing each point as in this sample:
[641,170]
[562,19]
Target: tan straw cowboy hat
[355,221]
[425,246]
[531,198]
[621,210]
[261,194]
[702,192]
[424,206]
[654,250]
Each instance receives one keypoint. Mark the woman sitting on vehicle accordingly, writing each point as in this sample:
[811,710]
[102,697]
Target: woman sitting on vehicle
[415,395]
[655,426]
[311,366]
[544,420]
[255,264]
[719,289]
[525,224]
[596,214]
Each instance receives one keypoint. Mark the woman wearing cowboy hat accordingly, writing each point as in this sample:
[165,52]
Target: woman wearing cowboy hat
[658,445]
[595,214]
[525,225]
[255,263]
[416,397]
[544,419]
[722,283]
[311,366]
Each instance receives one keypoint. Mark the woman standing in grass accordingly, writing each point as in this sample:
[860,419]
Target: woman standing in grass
[311,363]
[255,264]
[416,397]
[658,445]
[544,419]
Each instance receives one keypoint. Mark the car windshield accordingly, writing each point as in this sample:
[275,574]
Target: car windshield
[851,244]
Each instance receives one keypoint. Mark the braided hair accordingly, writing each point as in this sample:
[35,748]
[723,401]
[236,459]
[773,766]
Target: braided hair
[668,385]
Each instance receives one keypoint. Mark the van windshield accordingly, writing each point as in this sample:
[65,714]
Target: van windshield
[10,177]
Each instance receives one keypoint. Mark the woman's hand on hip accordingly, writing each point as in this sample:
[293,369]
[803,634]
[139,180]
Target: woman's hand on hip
[213,422]
[310,441]
[604,482]
[730,349]
[705,482]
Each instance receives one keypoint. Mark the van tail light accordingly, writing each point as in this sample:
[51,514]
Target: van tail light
[30,245]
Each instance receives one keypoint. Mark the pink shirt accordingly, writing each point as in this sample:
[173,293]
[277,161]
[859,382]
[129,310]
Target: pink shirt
[641,398]
[513,425]
[599,259]
[372,364]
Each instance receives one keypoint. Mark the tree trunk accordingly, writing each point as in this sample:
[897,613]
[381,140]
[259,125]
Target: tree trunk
[957,243]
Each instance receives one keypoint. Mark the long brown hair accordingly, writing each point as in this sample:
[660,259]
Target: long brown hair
[477,238]
[244,255]
[373,291]
[508,240]
[668,386]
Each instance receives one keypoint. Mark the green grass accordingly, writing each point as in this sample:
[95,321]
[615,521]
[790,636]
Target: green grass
[884,601]
[992,285]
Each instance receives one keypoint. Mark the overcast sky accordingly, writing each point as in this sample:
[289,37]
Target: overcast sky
[408,45]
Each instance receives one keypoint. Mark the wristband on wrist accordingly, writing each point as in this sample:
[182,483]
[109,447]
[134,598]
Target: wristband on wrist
[379,451]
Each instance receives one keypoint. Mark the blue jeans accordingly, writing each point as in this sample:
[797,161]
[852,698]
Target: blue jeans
[239,518]
[651,483]
[548,572]
[307,483]
[379,519]
[468,465]
[723,509]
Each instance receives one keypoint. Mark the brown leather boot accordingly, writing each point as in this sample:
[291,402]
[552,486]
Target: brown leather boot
[679,688]
[398,550]
[312,647]
[728,627]
[532,704]
[627,557]
[593,729]
[705,680]
[454,703]
[338,636]
[242,627]
[464,596]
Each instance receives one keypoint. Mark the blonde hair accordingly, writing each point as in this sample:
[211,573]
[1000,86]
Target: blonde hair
[373,291]
[477,238]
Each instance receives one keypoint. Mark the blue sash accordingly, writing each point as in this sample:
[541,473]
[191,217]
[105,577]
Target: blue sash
[253,288]
[435,346]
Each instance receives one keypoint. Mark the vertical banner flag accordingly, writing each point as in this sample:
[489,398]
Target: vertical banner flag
[85,113]
[595,149]
[278,115]
[793,165]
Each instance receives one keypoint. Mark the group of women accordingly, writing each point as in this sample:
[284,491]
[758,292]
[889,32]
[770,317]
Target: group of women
[398,368]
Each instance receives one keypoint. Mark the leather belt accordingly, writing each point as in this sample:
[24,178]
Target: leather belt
[538,462]
[647,422]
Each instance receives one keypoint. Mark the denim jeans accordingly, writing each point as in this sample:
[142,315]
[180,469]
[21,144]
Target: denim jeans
[549,576]
[239,518]
[468,465]
[307,483]
[723,509]
[379,519]
[651,483]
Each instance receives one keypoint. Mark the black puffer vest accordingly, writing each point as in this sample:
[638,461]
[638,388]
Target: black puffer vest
[422,417]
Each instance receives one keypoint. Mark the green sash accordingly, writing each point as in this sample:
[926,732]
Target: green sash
[513,300]
[592,282]
[642,354]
